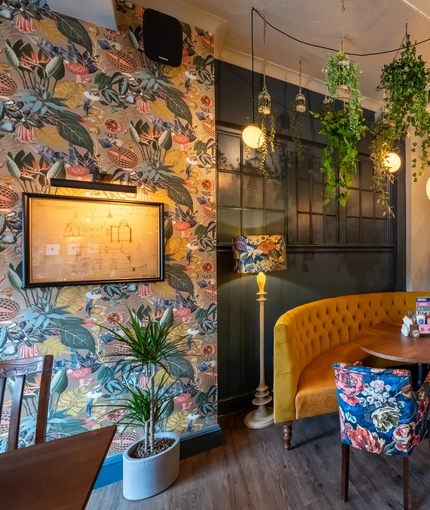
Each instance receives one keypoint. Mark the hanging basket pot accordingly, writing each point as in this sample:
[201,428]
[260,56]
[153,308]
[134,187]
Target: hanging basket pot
[300,103]
[343,92]
[427,108]
[264,102]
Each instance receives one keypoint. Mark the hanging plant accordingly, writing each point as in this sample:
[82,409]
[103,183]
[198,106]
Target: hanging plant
[266,141]
[335,125]
[342,79]
[298,107]
[383,142]
[300,103]
[296,132]
[268,138]
[405,80]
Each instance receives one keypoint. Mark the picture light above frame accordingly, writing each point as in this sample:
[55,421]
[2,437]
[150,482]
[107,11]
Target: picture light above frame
[99,186]
[80,241]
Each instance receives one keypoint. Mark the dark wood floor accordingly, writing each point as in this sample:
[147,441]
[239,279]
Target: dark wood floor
[252,471]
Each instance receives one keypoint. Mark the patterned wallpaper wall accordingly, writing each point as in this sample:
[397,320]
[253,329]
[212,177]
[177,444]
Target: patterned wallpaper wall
[83,102]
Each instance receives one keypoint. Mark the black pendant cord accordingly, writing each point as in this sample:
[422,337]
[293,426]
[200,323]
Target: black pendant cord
[252,65]
[332,49]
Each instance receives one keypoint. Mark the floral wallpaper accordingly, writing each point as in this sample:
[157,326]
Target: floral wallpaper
[83,102]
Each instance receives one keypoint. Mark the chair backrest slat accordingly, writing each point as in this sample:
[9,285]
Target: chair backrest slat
[15,415]
[19,369]
[2,388]
[42,410]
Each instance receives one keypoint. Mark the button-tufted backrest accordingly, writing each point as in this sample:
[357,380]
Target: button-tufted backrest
[305,332]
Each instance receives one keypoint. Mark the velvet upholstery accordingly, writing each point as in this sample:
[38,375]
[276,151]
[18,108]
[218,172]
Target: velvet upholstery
[314,399]
[379,411]
[308,331]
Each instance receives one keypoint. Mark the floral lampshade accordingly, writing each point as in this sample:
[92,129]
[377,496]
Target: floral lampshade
[255,254]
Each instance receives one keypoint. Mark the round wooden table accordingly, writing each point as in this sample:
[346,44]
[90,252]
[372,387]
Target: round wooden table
[385,340]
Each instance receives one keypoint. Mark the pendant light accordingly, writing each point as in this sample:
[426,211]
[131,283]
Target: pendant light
[252,135]
[393,162]
[300,100]
[264,99]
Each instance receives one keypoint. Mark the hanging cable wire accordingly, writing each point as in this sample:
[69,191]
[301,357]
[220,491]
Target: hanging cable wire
[327,47]
[264,51]
[252,65]
[300,75]
[403,40]
[342,44]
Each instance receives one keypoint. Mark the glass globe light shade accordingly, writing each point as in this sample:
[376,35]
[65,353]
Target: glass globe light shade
[428,189]
[393,161]
[252,137]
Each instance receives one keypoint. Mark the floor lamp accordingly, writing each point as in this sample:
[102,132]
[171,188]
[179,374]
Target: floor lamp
[260,254]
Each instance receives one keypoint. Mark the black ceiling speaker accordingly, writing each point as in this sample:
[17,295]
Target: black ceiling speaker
[162,38]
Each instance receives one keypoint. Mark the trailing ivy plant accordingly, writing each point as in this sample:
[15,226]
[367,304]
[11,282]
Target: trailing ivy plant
[383,142]
[405,79]
[335,125]
[268,138]
[342,79]
[268,146]
[296,132]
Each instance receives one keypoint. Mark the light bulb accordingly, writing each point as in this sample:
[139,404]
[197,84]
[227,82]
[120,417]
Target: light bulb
[252,136]
[393,161]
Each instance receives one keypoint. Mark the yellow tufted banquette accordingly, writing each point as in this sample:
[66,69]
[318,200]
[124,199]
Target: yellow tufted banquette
[310,338]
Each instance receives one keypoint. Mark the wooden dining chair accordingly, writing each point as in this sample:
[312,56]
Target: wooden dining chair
[380,413]
[19,369]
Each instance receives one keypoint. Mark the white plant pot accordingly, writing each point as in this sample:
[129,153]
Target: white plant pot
[143,478]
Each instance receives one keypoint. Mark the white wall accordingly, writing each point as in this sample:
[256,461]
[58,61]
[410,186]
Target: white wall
[417,227]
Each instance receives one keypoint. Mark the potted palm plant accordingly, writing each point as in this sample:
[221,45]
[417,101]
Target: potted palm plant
[152,464]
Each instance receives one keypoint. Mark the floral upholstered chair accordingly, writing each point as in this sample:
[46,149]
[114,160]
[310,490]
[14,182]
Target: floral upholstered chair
[380,413]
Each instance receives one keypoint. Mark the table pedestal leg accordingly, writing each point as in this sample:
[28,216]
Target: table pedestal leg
[422,373]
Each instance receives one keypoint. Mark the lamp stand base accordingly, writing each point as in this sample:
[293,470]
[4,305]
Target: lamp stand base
[260,418]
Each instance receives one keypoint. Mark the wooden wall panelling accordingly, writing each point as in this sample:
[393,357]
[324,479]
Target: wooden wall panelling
[331,250]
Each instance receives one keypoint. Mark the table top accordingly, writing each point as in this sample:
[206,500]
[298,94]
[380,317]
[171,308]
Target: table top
[57,475]
[385,340]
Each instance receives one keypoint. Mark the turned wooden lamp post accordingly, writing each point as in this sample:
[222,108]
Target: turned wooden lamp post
[260,254]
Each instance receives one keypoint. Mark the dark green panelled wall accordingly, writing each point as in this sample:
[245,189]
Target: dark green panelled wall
[331,250]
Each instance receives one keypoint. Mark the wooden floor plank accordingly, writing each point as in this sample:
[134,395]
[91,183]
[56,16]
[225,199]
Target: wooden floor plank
[252,471]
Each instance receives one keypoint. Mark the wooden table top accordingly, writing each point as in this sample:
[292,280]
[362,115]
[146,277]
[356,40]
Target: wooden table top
[385,340]
[58,475]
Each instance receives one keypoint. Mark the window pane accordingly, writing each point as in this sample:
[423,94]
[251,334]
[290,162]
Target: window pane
[352,206]
[317,229]
[352,230]
[228,189]
[275,194]
[228,224]
[252,191]
[303,228]
[317,198]
[275,222]
[305,168]
[228,152]
[331,236]
[381,232]
[367,203]
[303,190]
[253,223]
[366,175]
[367,231]
[251,164]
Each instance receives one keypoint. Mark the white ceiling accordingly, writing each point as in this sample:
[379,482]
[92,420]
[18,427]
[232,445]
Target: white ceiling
[370,25]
